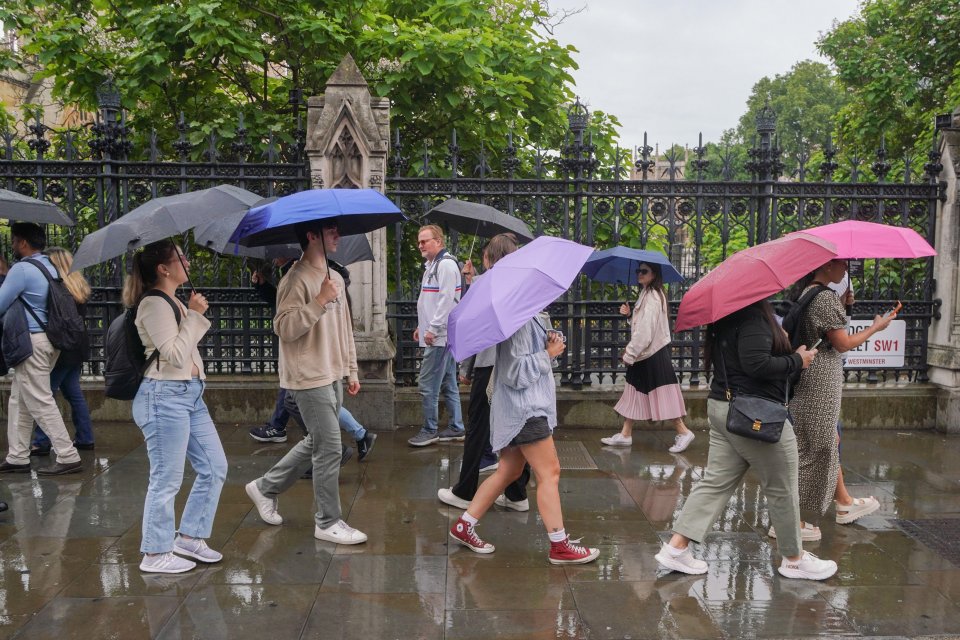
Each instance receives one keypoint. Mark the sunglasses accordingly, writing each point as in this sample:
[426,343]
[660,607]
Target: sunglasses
[643,272]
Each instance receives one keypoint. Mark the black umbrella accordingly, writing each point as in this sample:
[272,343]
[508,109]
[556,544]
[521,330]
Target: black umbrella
[161,218]
[478,219]
[18,207]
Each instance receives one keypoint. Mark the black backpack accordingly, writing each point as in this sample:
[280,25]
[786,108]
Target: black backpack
[64,326]
[794,313]
[125,355]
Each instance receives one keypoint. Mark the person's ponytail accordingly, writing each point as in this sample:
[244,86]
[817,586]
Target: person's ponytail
[143,274]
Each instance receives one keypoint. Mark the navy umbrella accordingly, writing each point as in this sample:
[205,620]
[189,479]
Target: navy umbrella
[354,210]
[619,265]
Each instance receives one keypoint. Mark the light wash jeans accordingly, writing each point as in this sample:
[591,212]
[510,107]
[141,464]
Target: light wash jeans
[350,425]
[176,425]
[438,373]
[320,449]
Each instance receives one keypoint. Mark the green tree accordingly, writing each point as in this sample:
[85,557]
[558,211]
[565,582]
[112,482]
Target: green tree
[805,100]
[480,66]
[899,62]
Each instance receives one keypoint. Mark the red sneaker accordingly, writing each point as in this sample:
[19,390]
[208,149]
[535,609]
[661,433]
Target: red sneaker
[567,553]
[463,532]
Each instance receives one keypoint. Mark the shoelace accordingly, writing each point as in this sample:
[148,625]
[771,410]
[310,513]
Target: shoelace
[474,538]
[343,525]
[574,547]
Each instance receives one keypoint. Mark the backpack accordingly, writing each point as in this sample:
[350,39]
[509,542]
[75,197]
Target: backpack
[794,313]
[64,327]
[125,355]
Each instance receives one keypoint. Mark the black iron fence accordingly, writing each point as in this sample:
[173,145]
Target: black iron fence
[97,175]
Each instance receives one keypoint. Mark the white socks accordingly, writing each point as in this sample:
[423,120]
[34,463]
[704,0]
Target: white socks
[673,551]
[557,536]
[466,517]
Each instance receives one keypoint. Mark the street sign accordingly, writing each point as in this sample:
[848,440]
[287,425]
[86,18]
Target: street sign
[882,350]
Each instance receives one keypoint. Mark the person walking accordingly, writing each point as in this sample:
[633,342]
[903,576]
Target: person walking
[317,352]
[65,376]
[31,398]
[815,406]
[523,415]
[439,293]
[749,354]
[651,391]
[479,369]
[171,413]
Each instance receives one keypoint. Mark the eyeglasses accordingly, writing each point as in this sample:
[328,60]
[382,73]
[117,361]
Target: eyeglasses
[643,272]
[420,242]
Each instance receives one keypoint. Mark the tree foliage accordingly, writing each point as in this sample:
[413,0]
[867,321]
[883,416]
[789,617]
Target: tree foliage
[480,66]
[899,61]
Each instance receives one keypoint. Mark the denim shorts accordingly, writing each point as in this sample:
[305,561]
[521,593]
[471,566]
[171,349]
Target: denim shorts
[534,430]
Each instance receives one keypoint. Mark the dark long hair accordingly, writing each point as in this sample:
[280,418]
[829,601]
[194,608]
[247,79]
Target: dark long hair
[143,276]
[657,284]
[781,344]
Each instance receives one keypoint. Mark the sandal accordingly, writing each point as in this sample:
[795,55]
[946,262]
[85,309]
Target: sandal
[847,513]
[808,533]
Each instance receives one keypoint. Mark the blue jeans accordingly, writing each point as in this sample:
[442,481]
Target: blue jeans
[350,425]
[280,415]
[67,380]
[176,425]
[438,373]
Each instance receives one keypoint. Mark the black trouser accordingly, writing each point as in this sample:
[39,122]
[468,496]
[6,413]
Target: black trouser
[478,439]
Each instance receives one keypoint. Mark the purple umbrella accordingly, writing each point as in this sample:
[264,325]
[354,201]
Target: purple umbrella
[517,288]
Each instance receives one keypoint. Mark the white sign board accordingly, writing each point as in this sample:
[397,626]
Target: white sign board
[883,350]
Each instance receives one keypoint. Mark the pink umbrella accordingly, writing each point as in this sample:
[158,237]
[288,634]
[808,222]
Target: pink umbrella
[856,239]
[752,274]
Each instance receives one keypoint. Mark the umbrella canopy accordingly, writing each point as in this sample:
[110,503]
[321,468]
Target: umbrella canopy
[161,218]
[619,265]
[478,219]
[354,210]
[517,288]
[752,274]
[857,239]
[20,208]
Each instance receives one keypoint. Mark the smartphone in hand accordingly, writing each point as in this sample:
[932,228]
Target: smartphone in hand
[896,309]
[815,344]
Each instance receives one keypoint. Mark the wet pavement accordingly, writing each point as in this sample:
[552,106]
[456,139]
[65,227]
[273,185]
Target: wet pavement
[69,552]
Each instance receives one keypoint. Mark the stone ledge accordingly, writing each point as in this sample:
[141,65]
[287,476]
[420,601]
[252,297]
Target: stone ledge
[250,400]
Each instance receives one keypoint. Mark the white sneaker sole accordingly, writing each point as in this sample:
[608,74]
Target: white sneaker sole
[484,550]
[670,563]
[594,553]
[423,443]
[513,506]
[144,569]
[681,449]
[616,443]
[270,439]
[797,574]
[489,468]
[320,535]
[180,551]
[459,438]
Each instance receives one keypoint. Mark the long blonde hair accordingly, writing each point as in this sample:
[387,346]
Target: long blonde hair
[75,283]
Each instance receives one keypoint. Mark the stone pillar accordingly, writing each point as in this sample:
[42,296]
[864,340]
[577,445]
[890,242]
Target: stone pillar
[348,134]
[943,352]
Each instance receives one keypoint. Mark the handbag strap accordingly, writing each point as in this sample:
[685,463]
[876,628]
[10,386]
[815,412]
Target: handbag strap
[726,379]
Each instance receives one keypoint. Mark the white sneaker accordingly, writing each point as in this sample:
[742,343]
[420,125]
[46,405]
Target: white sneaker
[809,567]
[341,533]
[519,505]
[684,563]
[266,507]
[165,563]
[447,496]
[808,533]
[617,440]
[681,442]
[197,549]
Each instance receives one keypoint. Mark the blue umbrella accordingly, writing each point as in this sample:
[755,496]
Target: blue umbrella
[619,265]
[355,211]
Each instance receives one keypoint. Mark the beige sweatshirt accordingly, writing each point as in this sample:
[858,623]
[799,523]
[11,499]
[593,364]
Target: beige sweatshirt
[316,341]
[158,330]
[649,327]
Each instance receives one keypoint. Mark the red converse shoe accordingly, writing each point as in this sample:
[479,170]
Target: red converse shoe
[567,553]
[463,532]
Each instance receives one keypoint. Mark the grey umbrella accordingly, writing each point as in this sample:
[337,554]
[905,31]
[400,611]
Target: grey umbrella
[478,219]
[18,207]
[215,235]
[161,218]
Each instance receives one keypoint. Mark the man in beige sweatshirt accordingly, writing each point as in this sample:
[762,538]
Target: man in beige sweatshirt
[316,353]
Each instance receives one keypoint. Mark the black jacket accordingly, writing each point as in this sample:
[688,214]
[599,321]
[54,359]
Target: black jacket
[743,361]
[15,342]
